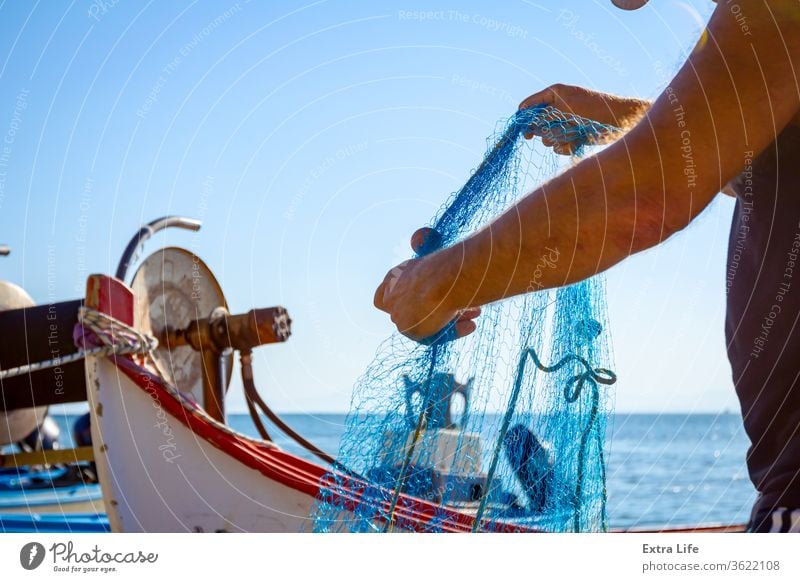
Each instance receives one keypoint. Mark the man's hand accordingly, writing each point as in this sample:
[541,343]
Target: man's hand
[411,293]
[600,107]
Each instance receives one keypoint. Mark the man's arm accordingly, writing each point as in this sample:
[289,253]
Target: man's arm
[733,95]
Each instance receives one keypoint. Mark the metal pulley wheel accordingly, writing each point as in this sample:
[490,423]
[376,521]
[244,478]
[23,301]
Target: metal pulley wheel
[173,287]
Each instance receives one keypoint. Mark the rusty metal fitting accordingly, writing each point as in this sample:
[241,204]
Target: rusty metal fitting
[221,330]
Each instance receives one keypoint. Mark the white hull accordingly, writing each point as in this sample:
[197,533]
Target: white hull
[159,476]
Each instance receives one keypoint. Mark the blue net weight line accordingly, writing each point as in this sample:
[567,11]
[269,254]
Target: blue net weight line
[507,425]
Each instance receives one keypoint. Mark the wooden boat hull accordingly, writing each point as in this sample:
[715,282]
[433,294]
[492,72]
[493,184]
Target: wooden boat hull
[158,475]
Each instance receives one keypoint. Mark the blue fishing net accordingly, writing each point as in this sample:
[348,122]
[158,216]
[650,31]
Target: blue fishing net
[503,429]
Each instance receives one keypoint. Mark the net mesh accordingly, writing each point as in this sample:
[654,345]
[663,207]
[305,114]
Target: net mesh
[503,429]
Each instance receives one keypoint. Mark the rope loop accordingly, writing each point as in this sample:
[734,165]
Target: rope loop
[119,338]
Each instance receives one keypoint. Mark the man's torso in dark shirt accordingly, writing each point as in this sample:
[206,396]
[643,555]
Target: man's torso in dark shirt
[762,327]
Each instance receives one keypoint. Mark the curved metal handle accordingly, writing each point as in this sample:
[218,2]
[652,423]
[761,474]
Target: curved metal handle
[436,400]
[146,232]
[465,390]
[4,251]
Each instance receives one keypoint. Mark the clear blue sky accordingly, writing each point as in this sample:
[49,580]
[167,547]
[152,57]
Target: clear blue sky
[312,139]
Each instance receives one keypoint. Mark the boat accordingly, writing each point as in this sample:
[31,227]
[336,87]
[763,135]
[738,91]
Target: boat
[165,458]
[54,523]
[166,464]
[37,489]
[49,490]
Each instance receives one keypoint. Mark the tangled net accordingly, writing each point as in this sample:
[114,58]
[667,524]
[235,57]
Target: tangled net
[502,429]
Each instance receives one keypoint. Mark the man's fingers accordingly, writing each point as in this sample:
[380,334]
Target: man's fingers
[378,299]
[552,133]
[554,95]
[385,289]
[470,313]
[465,327]
[565,149]
[425,236]
[546,96]
[535,130]
[465,323]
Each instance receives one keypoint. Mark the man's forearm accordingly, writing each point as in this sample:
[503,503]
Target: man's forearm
[647,185]
[628,110]
[564,232]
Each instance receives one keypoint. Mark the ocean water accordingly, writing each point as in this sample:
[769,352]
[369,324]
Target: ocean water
[668,469]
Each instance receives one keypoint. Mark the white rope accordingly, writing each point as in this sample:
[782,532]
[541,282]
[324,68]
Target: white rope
[118,339]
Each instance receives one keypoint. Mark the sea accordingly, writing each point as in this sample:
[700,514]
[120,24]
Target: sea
[663,469]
